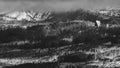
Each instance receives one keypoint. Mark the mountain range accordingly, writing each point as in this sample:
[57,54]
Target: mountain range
[62,16]
[25,15]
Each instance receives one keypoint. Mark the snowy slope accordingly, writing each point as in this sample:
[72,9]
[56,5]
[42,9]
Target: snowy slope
[25,15]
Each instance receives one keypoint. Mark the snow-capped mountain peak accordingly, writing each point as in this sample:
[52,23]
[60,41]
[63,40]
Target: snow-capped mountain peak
[110,11]
[25,15]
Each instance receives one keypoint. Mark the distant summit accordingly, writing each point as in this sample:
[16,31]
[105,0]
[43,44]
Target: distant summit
[110,12]
[25,15]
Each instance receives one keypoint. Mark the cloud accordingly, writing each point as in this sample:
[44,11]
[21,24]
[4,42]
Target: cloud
[58,5]
[38,0]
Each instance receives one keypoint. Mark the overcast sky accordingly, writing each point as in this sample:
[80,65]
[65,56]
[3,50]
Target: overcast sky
[58,5]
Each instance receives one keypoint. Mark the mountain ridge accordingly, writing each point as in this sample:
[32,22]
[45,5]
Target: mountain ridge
[25,15]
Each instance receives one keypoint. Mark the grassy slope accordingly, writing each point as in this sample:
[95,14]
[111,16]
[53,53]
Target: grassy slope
[43,41]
